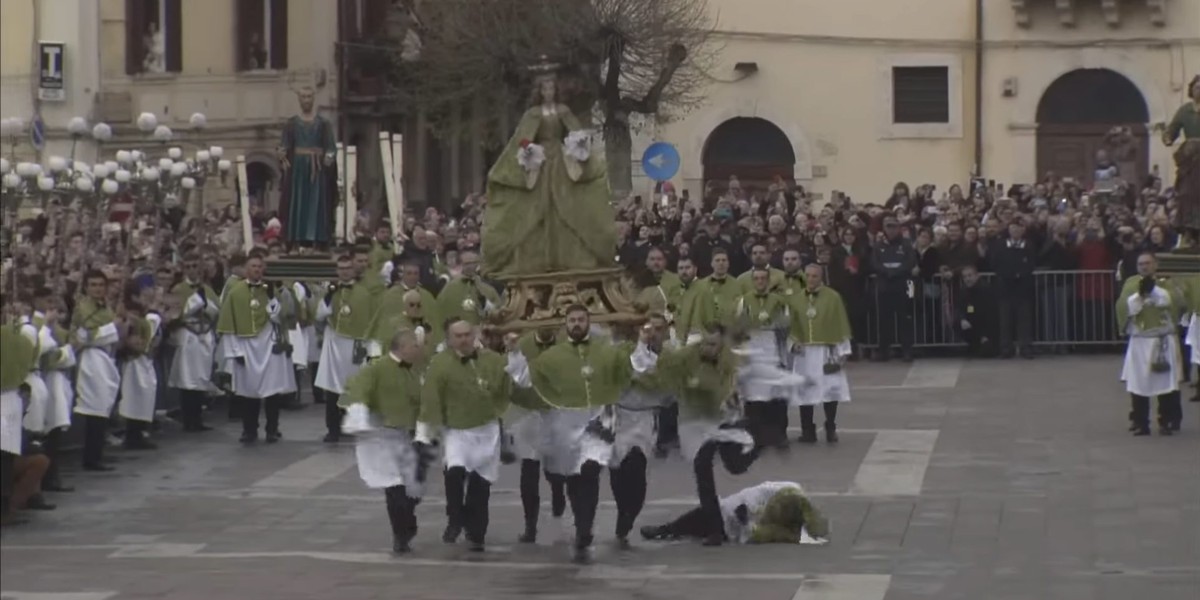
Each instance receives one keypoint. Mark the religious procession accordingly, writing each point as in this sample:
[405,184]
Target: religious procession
[556,327]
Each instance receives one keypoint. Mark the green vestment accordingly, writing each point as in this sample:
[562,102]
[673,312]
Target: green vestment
[791,286]
[581,375]
[465,299]
[715,303]
[18,353]
[531,348]
[389,388]
[686,311]
[464,392]
[762,311]
[91,316]
[775,279]
[244,309]
[389,317]
[353,307]
[559,219]
[1185,121]
[1151,317]
[700,386]
[819,318]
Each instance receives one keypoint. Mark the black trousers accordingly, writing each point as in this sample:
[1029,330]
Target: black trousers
[135,431]
[694,523]
[191,409]
[467,498]
[52,448]
[736,462]
[583,491]
[318,393]
[531,499]
[94,431]
[768,422]
[668,426]
[7,479]
[807,414]
[895,318]
[401,513]
[1016,317]
[628,483]
[1170,410]
[1186,351]
[333,414]
[269,406]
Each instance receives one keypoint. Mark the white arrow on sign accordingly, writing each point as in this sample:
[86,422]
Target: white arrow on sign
[657,161]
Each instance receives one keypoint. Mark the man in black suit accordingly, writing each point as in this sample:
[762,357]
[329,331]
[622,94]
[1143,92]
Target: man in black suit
[975,313]
[1013,259]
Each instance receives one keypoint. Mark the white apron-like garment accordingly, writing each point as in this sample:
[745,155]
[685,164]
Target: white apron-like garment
[694,434]
[386,458]
[1136,373]
[299,347]
[524,430]
[762,356]
[264,373]
[336,366]
[139,389]
[1193,337]
[98,381]
[192,363]
[39,401]
[635,424]
[62,394]
[10,421]
[477,450]
[567,445]
[822,387]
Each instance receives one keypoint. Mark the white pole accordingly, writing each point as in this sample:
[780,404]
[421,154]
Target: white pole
[339,215]
[389,185]
[244,200]
[351,188]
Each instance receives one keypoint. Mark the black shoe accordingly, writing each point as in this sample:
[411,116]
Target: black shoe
[529,537]
[475,546]
[138,445]
[400,546]
[1165,430]
[1176,426]
[1140,431]
[623,543]
[56,486]
[581,555]
[654,532]
[714,540]
[248,438]
[808,437]
[197,428]
[273,436]
[450,536]
[97,467]
[661,451]
[331,438]
[831,436]
[38,502]
[12,520]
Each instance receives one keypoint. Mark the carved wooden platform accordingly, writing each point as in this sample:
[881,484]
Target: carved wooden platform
[1184,262]
[537,301]
[307,268]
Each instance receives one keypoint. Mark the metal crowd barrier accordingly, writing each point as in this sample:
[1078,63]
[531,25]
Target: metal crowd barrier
[1069,308]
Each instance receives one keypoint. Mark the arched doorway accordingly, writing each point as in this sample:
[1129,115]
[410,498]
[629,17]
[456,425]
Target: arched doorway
[1087,110]
[753,149]
[262,185]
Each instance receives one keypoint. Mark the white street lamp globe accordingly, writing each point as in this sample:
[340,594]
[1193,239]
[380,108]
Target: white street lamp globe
[187,183]
[123,176]
[11,180]
[81,167]
[112,165]
[147,122]
[175,152]
[4,165]
[124,157]
[24,169]
[138,155]
[165,164]
[110,187]
[102,132]
[216,151]
[83,184]
[101,171]
[35,169]
[163,133]
[224,165]
[56,164]
[198,120]
[77,126]
[203,156]
[150,174]
[178,169]
[45,183]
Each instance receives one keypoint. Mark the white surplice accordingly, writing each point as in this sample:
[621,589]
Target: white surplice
[139,381]
[1193,337]
[11,407]
[39,395]
[822,387]
[261,373]
[476,449]
[1144,345]
[98,380]
[195,353]
[336,366]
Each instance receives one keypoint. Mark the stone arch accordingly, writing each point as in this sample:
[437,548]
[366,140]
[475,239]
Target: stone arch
[753,148]
[802,169]
[1086,110]
[262,179]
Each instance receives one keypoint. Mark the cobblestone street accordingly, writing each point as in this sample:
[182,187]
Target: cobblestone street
[995,480]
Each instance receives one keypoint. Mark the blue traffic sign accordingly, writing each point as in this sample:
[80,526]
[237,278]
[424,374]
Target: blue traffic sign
[661,161]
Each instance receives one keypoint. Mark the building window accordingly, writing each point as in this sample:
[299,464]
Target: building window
[920,94]
[153,36]
[262,41]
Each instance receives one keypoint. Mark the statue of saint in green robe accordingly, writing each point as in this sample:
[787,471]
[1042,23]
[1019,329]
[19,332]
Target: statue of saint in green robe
[1187,161]
[555,217]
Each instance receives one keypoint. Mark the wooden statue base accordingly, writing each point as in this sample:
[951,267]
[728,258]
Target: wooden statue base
[537,301]
[1185,261]
[307,268]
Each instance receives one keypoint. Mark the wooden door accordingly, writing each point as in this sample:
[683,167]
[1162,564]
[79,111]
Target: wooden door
[1070,151]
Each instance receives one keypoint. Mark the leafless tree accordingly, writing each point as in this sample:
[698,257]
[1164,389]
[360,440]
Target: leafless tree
[621,58]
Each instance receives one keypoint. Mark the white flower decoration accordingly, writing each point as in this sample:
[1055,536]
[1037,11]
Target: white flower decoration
[531,156]
[578,145]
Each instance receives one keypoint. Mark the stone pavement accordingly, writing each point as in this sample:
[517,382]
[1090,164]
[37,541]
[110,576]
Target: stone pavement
[1005,480]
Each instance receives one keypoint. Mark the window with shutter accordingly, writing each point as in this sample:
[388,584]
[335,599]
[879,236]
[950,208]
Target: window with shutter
[153,36]
[921,94]
[261,34]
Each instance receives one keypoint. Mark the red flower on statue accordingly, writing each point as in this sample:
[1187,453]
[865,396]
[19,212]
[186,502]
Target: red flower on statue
[525,142]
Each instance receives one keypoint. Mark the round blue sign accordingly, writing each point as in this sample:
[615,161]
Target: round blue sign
[660,161]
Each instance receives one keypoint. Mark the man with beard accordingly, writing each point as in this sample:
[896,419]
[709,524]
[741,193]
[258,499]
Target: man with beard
[760,260]
[466,391]
[524,423]
[792,283]
[689,291]
[467,297]
[580,380]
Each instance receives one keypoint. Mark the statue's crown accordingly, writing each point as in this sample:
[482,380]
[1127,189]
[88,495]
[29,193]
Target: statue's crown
[544,66]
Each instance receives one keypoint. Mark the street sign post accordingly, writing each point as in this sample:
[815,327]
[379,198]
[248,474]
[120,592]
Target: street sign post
[660,161]
[52,82]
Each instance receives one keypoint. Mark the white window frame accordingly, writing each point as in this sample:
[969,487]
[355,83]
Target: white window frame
[889,129]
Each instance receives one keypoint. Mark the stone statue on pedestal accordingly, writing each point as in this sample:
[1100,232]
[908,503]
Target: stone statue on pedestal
[1187,163]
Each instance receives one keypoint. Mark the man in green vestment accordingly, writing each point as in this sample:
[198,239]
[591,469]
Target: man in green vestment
[98,379]
[408,316]
[382,402]
[793,274]
[391,305]
[467,389]
[580,380]
[19,354]
[763,316]
[347,310]
[1148,312]
[820,334]
[689,291]
[717,296]
[760,258]
[467,297]
[663,290]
